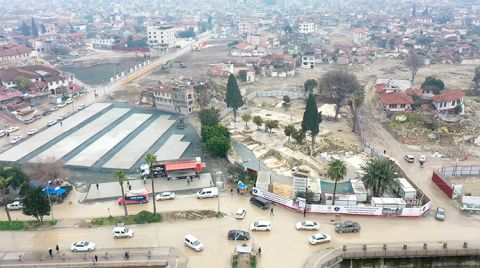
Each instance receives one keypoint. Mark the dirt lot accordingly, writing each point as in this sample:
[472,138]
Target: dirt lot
[471,184]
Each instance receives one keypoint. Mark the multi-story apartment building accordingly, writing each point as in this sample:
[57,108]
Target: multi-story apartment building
[161,36]
[306,27]
[174,97]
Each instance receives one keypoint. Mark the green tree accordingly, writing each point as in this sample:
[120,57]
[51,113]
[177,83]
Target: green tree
[433,84]
[4,183]
[43,28]
[476,80]
[357,100]
[310,85]
[208,132]
[378,175]
[209,117]
[35,202]
[234,97]
[289,130]
[271,124]
[218,146]
[237,171]
[246,118]
[121,178]
[336,172]
[151,160]
[339,85]
[258,121]
[34,28]
[298,136]
[25,29]
[311,120]
[22,83]
[10,178]
[308,196]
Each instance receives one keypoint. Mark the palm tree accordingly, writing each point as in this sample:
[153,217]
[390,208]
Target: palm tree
[336,171]
[378,175]
[120,176]
[357,100]
[151,159]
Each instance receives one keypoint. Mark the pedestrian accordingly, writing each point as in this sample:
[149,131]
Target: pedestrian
[188,181]
[231,191]
[259,251]
[57,248]
[238,190]
[384,151]
[144,180]
[61,123]
[8,134]
[50,251]
[125,256]
[271,212]
[96,258]
[128,255]
[97,186]
[129,187]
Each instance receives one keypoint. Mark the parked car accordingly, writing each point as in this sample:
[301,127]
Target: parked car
[261,226]
[238,235]
[81,107]
[15,139]
[61,117]
[440,214]
[192,242]
[260,202]
[61,105]
[422,158]
[347,227]
[54,108]
[15,205]
[241,212]
[46,112]
[409,158]
[3,133]
[207,192]
[51,123]
[68,101]
[165,196]
[319,238]
[12,129]
[119,232]
[307,225]
[82,246]
[32,131]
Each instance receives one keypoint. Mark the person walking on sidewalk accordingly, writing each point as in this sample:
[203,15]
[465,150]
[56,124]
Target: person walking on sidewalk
[97,186]
[96,258]
[57,248]
[259,251]
[50,252]
[271,212]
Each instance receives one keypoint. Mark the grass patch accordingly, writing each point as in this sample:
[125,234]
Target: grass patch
[253,261]
[141,218]
[234,261]
[24,225]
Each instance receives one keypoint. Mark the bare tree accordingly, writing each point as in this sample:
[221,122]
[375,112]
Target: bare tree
[339,85]
[45,171]
[414,62]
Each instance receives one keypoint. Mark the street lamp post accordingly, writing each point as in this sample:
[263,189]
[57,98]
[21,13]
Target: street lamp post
[218,198]
[306,193]
[49,200]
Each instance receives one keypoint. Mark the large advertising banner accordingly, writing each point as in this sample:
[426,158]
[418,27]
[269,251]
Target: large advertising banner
[373,211]
[276,198]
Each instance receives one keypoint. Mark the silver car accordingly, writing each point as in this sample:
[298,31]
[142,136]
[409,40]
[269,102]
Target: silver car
[440,215]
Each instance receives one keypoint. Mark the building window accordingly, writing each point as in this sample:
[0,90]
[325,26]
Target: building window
[392,106]
[402,105]
[453,103]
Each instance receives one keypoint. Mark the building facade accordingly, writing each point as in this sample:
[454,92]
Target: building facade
[306,27]
[174,98]
[161,36]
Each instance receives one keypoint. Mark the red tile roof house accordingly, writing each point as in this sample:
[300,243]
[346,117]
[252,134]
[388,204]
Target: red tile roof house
[446,103]
[396,102]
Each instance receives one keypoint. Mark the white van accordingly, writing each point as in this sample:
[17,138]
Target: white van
[192,242]
[208,192]
[122,232]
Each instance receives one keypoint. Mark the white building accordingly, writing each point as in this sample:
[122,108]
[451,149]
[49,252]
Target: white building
[306,27]
[102,43]
[161,36]
[177,98]
[308,60]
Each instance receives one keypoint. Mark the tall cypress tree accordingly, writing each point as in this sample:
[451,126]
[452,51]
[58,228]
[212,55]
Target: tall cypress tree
[34,28]
[234,97]
[311,120]
[25,29]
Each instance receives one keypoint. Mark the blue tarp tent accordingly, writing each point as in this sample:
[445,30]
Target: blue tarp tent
[54,191]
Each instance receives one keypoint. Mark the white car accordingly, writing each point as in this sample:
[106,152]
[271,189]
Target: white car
[192,242]
[422,158]
[119,232]
[241,212]
[15,205]
[68,101]
[319,238]
[15,139]
[81,107]
[32,131]
[165,196]
[54,108]
[307,225]
[261,226]
[51,123]
[82,246]
[12,129]
[61,105]
[3,133]
[61,117]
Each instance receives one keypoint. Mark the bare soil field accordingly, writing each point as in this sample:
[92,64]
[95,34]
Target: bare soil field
[471,184]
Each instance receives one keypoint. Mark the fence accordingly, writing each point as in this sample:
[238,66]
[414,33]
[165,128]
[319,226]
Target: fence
[269,93]
[440,176]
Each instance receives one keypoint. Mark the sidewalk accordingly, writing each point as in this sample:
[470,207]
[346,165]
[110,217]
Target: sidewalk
[112,190]
[138,257]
